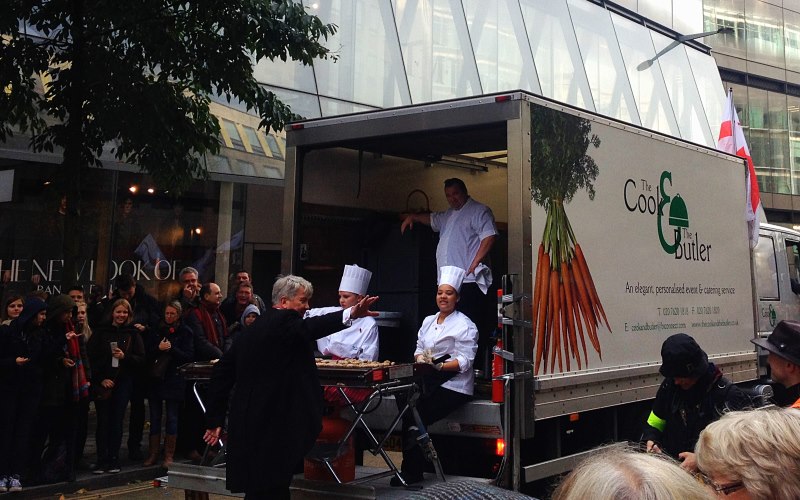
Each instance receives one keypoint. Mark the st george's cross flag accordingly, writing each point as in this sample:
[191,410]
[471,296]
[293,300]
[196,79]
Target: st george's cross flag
[731,140]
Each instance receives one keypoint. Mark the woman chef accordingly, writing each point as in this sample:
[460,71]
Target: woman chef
[359,340]
[446,332]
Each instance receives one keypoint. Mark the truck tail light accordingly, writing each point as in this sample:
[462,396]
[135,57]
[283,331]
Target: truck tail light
[500,447]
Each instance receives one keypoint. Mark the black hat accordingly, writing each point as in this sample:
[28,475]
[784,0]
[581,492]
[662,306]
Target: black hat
[682,357]
[59,305]
[783,341]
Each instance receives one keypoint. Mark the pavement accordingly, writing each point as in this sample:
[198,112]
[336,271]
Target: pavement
[132,471]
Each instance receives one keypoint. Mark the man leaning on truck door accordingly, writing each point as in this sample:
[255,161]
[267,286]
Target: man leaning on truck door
[693,394]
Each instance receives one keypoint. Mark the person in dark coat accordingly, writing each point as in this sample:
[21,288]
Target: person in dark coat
[117,354]
[64,407]
[171,344]
[20,388]
[145,316]
[276,408]
[693,394]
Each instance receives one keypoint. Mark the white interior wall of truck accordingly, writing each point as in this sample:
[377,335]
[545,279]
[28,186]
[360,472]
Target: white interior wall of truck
[703,289]
[332,177]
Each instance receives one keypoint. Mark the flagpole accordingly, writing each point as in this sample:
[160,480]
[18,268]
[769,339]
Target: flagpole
[734,119]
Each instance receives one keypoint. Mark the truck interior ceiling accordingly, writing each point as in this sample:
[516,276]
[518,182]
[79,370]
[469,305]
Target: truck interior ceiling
[351,197]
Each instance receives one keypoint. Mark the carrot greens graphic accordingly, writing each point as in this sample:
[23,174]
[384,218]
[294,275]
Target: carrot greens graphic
[566,307]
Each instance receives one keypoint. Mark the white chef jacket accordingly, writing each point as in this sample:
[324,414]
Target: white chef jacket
[456,336]
[461,232]
[357,341]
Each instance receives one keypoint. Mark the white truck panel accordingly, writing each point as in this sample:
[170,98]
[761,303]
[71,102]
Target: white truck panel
[648,293]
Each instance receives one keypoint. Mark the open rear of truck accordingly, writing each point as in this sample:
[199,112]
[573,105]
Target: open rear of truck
[663,237]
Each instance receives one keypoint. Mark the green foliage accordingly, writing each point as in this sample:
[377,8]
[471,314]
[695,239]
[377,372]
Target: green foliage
[559,163]
[138,75]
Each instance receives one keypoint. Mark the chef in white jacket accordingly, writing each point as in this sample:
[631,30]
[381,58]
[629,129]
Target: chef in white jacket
[446,332]
[360,339]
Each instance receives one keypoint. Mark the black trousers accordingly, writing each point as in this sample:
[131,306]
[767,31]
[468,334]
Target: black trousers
[136,419]
[17,414]
[482,310]
[432,406]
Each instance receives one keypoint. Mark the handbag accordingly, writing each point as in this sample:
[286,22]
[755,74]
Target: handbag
[100,393]
[158,368]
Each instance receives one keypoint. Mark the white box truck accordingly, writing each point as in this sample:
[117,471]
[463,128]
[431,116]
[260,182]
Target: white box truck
[660,223]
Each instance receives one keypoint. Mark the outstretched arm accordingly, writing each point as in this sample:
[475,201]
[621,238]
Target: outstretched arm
[410,219]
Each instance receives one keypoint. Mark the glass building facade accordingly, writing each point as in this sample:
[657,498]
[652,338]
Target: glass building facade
[620,59]
[599,56]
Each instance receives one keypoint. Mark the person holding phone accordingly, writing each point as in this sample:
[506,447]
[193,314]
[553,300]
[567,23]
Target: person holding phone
[116,352]
[449,341]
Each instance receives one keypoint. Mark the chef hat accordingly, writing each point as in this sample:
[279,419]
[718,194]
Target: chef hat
[355,280]
[451,275]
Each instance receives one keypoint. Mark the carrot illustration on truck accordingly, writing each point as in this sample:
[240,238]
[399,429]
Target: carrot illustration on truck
[566,307]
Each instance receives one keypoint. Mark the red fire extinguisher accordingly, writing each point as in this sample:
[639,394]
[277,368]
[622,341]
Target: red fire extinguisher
[497,370]
[497,361]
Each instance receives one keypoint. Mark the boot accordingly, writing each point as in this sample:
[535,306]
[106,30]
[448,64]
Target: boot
[169,450]
[155,447]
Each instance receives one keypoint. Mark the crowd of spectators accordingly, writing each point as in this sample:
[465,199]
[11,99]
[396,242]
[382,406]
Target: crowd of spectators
[60,354]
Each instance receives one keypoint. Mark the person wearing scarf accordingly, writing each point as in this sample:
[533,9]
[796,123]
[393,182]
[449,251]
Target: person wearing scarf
[21,344]
[210,332]
[211,321]
[66,394]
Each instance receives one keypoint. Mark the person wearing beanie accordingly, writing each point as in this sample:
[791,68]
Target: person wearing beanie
[249,315]
[783,346]
[21,346]
[693,394]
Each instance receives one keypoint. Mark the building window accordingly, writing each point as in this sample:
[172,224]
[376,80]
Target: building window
[252,138]
[233,135]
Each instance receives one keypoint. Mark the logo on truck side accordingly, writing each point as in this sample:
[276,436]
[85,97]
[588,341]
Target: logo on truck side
[680,241]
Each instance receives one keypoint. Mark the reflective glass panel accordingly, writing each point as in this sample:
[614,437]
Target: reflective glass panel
[758,141]
[290,74]
[659,11]
[501,46]
[726,14]
[682,90]
[332,107]
[687,16]
[302,104]
[436,49]
[369,68]
[779,142]
[602,60]
[764,33]
[628,4]
[647,82]
[709,84]
[793,107]
[791,34]
[555,52]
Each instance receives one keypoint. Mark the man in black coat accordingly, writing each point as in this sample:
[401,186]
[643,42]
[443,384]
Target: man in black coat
[276,409]
[693,394]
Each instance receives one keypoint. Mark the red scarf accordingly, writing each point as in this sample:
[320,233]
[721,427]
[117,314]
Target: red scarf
[204,313]
[80,382]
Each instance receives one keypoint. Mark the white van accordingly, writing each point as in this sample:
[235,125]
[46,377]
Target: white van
[777,267]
